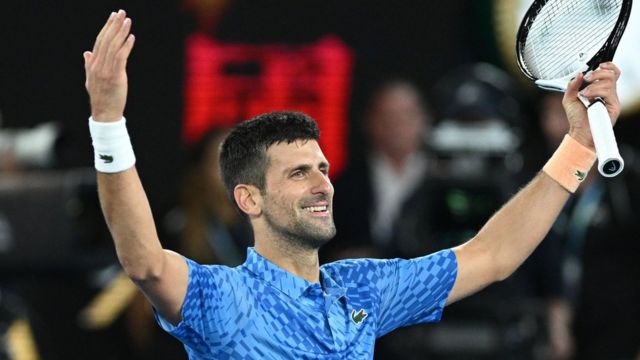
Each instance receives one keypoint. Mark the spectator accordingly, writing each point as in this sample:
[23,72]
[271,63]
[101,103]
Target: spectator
[599,231]
[384,183]
[213,231]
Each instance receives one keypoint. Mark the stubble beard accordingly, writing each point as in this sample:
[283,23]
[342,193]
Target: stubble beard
[300,233]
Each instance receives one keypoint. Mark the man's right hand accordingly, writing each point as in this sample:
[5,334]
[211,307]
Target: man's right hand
[105,68]
[602,83]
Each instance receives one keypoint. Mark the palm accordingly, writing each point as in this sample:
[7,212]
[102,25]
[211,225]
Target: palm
[105,67]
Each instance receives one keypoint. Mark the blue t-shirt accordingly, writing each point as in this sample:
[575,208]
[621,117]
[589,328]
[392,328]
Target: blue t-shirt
[260,311]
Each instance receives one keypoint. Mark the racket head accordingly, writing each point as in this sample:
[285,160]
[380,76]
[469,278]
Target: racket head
[559,38]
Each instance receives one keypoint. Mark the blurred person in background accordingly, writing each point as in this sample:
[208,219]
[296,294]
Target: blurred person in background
[208,228]
[434,197]
[28,148]
[375,195]
[598,231]
[475,149]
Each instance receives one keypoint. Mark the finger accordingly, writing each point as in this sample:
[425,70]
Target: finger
[123,54]
[106,26]
[119,39]
[608,93]
[601,74]
[592,92]
[87,58]
[601,81]
[103,31]
[574,86]
[110,32]
[611,66]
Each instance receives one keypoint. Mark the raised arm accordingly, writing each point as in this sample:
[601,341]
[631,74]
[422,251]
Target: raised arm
[162,275]
[512,234]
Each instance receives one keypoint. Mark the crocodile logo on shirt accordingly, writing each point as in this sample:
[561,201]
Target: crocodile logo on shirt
[358,317]
[580,175]
[108,159]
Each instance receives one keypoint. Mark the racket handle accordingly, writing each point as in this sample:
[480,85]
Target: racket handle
[610,162]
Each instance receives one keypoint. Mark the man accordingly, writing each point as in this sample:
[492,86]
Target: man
[281,303]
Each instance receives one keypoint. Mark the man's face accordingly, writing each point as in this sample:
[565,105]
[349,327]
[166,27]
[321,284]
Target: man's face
[397,121]
[298,194]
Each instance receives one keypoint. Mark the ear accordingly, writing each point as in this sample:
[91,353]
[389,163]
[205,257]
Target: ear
[249,199]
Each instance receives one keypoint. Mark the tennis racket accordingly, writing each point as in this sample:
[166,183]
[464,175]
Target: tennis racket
[558,39]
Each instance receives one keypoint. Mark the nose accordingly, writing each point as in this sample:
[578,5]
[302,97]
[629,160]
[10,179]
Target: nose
[321,183]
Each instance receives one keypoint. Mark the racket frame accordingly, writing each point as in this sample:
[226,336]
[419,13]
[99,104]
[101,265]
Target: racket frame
[604,54]
[610,163]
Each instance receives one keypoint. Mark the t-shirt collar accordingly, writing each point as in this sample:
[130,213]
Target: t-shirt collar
[292,285]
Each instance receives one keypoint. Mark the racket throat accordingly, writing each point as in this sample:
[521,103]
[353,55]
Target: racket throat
[559,85]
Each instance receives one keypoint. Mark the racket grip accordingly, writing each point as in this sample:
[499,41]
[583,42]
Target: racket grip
[610,162]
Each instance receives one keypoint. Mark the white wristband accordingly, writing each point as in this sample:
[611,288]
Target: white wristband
[111,145]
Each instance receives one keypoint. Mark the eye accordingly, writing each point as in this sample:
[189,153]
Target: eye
[324,170]
[297,174]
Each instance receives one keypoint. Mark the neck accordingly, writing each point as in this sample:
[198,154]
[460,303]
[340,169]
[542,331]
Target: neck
[398,162]
[303,263]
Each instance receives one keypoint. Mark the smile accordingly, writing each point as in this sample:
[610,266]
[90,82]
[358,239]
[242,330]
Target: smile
[315,209]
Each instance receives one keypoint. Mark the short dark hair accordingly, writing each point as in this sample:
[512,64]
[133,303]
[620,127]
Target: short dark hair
[243,154]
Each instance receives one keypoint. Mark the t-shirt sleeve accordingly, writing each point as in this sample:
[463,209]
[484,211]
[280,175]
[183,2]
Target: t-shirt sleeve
[210,308]
[414,291]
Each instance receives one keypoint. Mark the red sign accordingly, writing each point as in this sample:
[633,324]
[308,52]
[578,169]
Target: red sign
[228,82]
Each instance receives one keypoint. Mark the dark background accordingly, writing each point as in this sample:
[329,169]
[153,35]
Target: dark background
[42,75]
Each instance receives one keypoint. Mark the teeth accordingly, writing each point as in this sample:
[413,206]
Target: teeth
[316,208]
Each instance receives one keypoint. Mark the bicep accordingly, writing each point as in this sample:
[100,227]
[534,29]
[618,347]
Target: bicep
[476,269]
[167,291]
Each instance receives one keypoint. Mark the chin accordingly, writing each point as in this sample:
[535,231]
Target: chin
[317,240]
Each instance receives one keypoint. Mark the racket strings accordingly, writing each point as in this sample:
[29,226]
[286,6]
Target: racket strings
[563,50]
[556,49]
[566,34]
